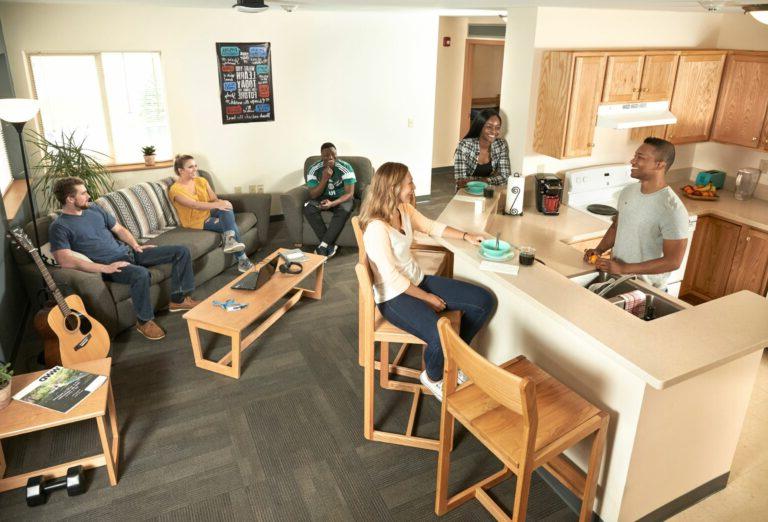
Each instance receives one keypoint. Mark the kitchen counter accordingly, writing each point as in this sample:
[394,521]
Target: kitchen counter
[662,352]
[677,387]
[752,212]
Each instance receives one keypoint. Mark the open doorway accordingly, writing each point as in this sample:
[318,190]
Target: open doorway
[469,69]
[481,88]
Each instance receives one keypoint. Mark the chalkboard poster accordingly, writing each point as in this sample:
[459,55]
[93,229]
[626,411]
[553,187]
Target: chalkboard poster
[245,82]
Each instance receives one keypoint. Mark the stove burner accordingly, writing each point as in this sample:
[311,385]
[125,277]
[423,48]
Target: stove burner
[602,210]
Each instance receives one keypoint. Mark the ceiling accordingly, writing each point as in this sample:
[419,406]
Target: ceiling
[672,5]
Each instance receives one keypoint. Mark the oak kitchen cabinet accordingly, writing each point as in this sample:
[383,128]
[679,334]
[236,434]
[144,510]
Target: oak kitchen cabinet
[640,77]
[569,92]
[694,99]
[741,109]
[725,257]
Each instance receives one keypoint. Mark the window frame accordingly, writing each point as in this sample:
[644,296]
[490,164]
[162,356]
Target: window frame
[114,166]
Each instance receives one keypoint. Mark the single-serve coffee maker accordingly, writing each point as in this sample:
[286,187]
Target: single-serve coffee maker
[549,193]
[746,183]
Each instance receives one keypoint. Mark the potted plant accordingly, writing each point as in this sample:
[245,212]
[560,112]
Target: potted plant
[5,384]
[63,158]
[149,155]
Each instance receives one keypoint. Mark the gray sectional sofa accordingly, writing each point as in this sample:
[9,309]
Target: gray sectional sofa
[110,303]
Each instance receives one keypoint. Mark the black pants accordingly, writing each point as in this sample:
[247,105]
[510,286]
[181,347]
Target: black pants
[329,233]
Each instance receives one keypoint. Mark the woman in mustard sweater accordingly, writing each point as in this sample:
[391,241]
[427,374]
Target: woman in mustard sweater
[198,207]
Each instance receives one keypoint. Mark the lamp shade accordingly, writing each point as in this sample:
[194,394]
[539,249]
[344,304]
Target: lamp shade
[758,11]
[18,110]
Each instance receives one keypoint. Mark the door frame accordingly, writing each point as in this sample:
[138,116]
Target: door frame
[466,89]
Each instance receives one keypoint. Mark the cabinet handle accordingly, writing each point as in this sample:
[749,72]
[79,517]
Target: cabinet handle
[754,139]
[635,89]
[749,237]
[590,144]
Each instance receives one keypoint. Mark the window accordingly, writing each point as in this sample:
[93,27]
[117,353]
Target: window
[115,102]
[6,178]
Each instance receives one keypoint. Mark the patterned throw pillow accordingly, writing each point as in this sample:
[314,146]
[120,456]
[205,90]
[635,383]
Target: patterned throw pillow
[144,209]
[48,259]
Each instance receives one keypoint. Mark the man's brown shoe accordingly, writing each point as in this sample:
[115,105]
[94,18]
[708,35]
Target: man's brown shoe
[187,304]
[150,330]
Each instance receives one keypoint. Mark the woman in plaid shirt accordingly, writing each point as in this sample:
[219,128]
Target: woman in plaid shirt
[482,155]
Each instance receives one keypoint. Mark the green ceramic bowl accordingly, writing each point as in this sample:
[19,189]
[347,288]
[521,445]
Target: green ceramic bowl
[488,247]
[476,187]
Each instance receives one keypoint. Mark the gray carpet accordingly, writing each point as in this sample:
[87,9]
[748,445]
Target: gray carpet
[284,442]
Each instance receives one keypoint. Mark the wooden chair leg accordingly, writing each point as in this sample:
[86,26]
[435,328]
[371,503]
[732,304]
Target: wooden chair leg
[522,489]
[595,460]
[384,364]
[444,462]
[368,391]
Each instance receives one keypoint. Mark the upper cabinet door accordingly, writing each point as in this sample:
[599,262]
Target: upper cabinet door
[588,75]
[695,96]
[622,78]
[743,101]
[658,77]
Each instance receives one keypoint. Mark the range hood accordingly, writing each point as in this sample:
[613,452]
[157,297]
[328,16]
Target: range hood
[635,114]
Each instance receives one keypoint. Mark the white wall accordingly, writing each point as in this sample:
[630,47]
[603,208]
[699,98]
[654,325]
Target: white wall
[351,78]
[449,83]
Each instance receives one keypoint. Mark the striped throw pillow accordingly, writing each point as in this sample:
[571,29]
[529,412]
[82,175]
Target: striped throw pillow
[144,209]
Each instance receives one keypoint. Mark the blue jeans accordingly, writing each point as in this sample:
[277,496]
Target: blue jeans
[137,276]
[416,317]
[223,221]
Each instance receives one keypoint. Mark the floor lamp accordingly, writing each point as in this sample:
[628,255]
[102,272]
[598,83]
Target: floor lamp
[17,112]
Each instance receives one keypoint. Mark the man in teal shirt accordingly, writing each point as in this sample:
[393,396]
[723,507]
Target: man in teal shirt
[331,184]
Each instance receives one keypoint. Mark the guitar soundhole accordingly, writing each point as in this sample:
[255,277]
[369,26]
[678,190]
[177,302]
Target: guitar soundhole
[71,322]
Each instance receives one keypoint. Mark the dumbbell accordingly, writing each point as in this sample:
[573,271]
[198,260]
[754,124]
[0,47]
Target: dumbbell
[39,489]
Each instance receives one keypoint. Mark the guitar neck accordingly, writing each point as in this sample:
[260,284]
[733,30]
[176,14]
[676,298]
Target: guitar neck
[60,302]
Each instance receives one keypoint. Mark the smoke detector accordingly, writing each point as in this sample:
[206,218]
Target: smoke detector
[251,6]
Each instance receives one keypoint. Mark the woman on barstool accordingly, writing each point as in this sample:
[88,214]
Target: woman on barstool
[404,295]
[199,207]
[482,155]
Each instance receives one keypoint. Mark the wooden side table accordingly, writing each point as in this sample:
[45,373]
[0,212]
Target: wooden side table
[206,316]
[19,418]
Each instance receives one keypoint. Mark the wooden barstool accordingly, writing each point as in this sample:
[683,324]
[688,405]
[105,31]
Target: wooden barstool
[523,416]
[432,259]
[374,328]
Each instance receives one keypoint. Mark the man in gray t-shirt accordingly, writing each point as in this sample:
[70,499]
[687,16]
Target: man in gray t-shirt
[650,233]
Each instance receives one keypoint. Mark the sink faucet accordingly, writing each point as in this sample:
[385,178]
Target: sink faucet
[607,288]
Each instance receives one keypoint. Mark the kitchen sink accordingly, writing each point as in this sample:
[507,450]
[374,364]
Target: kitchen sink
[658,302]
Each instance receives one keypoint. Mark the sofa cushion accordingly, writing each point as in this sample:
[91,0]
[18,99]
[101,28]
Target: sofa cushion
[121,292]
[144,209]
[199,242]
[245,221]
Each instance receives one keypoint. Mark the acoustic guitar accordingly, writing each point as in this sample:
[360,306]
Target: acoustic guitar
[81,337]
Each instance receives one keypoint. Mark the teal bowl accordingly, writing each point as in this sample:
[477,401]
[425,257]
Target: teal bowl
[476,187]
[488,247]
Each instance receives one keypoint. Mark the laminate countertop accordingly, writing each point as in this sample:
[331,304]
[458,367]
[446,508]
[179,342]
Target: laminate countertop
[663,352]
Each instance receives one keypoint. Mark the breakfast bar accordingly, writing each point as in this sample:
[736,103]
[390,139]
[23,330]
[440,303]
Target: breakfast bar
[677,387]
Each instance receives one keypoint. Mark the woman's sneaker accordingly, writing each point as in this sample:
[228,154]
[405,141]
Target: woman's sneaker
[231,245]
[244,264]
[436,388]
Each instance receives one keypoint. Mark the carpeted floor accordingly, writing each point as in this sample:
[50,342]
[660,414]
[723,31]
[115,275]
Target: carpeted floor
[284,442]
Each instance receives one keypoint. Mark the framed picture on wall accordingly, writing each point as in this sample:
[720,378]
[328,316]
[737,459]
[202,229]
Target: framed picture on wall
[245,82]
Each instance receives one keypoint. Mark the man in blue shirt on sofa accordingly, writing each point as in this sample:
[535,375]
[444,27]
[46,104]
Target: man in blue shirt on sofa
[90,231]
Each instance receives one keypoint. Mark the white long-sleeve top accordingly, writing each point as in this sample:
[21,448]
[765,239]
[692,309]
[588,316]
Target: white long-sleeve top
[389,252]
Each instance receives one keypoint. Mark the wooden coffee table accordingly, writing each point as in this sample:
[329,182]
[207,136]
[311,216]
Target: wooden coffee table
[19,418]
[207,316]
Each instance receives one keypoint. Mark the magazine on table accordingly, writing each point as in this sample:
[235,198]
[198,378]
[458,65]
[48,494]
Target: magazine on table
[60,389]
